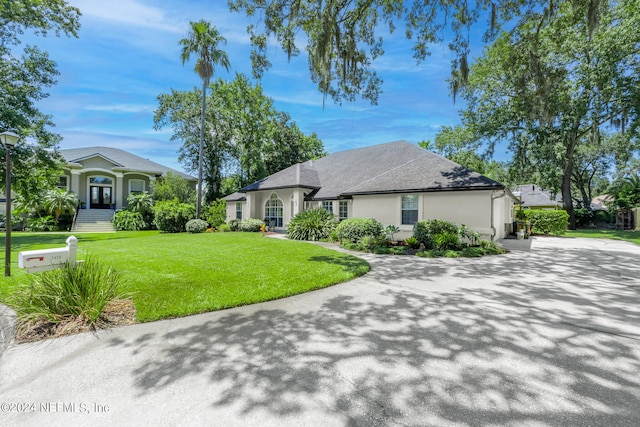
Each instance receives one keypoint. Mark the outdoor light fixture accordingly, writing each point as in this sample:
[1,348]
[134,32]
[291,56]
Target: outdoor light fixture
[8,139]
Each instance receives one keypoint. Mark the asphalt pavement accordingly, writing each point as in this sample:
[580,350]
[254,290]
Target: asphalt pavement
[548,334]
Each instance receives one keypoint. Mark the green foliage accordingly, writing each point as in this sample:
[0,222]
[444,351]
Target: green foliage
[217,212]
[412,242]
[57,201]
[446,241]
[555,87]
[73,292]
[472,252]
[140,202]
[354,229]
[390,230]
[171,216]
[491,248]
[345,37]
[265,140]
[196,226]
[129,221]
[547,221]
[312,224]
[173,186]
[250,225]
[626,192]
[45,223]
[223,228]
[424,231]
[234,225]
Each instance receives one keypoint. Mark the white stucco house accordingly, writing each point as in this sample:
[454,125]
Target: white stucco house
[103,176]
[397,183]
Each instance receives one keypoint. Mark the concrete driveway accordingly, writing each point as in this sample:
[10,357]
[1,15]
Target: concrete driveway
[545,337]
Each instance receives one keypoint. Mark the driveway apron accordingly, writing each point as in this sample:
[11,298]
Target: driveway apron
[544,336]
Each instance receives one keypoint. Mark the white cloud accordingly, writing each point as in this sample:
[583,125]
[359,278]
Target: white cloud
[126,12]
[121,108]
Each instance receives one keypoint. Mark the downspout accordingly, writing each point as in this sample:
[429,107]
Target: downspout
[493,197]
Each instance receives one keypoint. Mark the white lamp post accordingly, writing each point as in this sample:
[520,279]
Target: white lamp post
[8,139]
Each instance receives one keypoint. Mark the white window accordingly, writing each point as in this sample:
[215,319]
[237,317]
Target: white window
[343,209]
[327,205]
[273,211]
[136,186]
[239,211]
[409,209]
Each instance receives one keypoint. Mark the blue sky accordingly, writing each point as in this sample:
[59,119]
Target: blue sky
[127,54]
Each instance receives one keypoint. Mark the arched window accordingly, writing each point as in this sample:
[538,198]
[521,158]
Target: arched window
[273,211]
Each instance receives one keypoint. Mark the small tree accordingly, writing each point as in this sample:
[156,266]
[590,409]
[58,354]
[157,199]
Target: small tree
[173,186]
[59,201]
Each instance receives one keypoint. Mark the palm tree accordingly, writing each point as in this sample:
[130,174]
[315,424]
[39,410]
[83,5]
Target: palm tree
[203,40]
[57,201]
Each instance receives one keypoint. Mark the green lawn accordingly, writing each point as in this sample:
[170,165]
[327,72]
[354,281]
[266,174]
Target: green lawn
[172,275]
[630,236]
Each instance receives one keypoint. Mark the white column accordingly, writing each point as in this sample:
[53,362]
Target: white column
[119,190]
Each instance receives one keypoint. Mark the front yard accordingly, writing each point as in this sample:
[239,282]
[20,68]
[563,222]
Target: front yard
[173,275]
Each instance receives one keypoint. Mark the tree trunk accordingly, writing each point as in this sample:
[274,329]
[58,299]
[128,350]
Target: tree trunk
[567,200]
[201,148]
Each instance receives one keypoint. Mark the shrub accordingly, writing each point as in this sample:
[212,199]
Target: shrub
[74,292]
[446,241]
[424,231]
[412,242]
[44,223]
[354,229]
[391,230]
[547,222]
[472,252]
[250,225]
[367,243]
[234,225]
[217,213]
[312,224]
[224,228]
[128,221]
[196,226]
[491,248]
[171,216]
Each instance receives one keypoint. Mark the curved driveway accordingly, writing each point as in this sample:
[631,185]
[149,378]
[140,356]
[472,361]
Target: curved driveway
[549,336]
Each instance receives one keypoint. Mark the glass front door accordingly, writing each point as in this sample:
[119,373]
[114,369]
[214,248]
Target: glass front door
[100,197]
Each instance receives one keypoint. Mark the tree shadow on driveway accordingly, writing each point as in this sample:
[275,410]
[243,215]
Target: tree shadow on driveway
[547,349]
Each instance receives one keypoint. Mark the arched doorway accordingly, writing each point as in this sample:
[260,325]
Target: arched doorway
[273,211]
[100,192]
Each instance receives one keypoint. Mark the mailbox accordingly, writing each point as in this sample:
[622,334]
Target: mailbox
[48,259]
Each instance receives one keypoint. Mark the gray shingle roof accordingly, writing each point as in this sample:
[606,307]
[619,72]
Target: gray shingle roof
[533,195]
[122,160]
[398,166]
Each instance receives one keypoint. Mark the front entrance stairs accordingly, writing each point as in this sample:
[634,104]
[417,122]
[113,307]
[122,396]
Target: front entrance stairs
[93,221]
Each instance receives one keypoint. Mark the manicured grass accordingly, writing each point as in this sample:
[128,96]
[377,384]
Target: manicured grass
[630,236]
[173,275]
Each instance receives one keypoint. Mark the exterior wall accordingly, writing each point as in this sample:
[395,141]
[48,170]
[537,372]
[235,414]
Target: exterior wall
[472,208]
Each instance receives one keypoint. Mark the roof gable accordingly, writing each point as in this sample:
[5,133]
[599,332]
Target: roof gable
[120,159]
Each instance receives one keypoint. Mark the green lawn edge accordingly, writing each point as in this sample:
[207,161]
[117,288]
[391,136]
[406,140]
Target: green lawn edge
[626,235]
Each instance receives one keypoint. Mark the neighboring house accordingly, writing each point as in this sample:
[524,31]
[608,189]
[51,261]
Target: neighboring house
[397,183]
[601,203]
[533,197]
[103,176]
